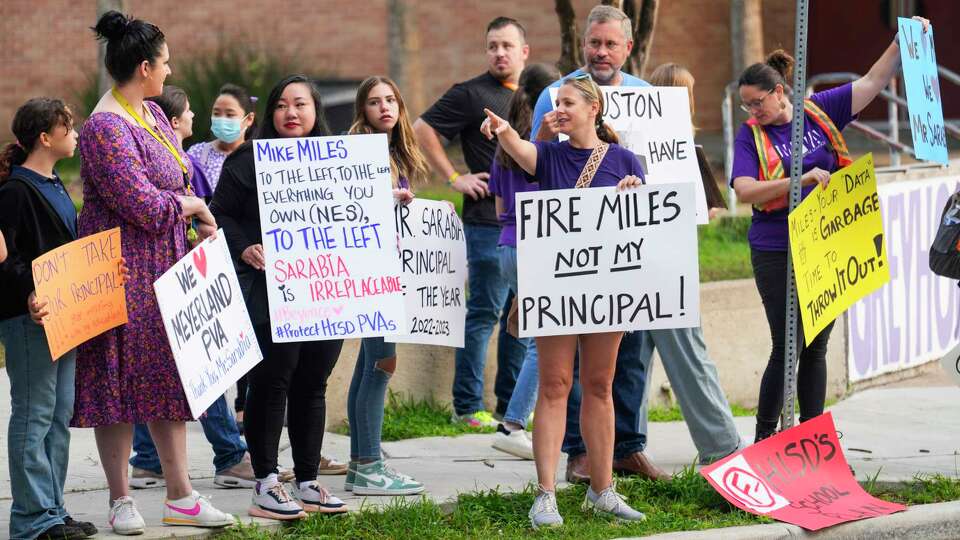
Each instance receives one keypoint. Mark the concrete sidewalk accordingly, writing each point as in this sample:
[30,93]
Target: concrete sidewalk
[899,432]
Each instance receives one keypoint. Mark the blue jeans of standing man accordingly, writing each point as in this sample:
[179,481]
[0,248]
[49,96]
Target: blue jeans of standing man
[487,295]
[524,397]
[38,437]
[221,430]
[629,383]
[368,388]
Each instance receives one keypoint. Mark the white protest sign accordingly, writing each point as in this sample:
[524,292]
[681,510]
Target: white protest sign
[595,260]
[326,212]
[654,123]
[207,323]
[433,254]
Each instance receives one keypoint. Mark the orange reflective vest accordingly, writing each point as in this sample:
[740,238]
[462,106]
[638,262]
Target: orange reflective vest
[771,166]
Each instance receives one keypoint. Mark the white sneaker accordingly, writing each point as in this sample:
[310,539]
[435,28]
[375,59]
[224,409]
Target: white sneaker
[273,502]
[124,517]
[316,498]
[516,443]
[195,510]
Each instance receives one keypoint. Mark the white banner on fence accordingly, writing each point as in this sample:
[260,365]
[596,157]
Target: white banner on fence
[433,255]
[207,323]
[326,211]
[915,318]
[594,260]
[655,124]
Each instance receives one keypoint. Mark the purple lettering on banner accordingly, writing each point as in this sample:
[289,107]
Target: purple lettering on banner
[916,317]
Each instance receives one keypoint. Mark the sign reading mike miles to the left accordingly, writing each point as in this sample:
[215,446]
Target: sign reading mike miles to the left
[329,238]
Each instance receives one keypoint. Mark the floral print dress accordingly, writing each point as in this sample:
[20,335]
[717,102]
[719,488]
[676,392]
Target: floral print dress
[131,181]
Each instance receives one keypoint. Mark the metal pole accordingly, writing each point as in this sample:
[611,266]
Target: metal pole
[727,111]
[796,171]
[893,115]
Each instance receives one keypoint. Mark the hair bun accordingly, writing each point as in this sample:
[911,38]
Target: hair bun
[781,61]
[112,25]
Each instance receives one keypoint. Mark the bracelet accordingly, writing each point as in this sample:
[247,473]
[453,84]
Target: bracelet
[453,178]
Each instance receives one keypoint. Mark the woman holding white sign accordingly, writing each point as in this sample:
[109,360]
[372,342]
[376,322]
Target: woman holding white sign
[135,178]
[293,375]
[590,157]
[762,159]
[379,108]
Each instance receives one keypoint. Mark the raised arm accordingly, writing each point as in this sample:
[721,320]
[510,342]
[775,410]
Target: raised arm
[523,152]
[866,88]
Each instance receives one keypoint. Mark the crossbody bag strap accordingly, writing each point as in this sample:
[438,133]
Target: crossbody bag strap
[593,163]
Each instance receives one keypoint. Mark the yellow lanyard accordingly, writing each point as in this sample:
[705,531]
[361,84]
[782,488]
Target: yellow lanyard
[158,134]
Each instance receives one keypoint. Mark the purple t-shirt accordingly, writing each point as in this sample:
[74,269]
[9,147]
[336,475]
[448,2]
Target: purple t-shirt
[506,183]
[199,180]
[768,230]
[559,165]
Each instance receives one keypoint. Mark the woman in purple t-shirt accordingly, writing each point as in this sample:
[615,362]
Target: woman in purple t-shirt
[757,180]
[558,166]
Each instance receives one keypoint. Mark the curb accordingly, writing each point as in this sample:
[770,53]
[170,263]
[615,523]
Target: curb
[927,521]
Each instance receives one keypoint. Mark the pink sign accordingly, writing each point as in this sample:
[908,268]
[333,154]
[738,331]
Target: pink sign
[799,476]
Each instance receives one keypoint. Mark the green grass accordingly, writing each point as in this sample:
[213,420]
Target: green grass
[724,251]
[408,418]
[673,413]
[686,503]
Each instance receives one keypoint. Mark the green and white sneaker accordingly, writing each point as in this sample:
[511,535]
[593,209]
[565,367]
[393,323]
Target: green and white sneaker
[351,475]
[378,479]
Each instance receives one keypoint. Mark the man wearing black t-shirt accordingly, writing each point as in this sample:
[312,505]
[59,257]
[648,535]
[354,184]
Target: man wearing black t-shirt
[459,113]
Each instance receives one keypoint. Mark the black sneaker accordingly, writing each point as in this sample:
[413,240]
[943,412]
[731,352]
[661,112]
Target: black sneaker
[62,532]
[88,528]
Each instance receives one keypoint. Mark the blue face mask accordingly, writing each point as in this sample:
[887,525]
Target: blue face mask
[227,130]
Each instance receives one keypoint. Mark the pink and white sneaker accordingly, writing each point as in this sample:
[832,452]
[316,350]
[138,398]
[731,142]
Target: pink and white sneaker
[124,517]
[194,510]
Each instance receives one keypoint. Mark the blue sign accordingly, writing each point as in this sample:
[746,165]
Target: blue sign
[923,91]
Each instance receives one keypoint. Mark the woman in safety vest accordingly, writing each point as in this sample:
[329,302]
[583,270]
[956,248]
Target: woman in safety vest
[760,176]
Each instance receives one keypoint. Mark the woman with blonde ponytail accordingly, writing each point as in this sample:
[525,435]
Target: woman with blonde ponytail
[558,165]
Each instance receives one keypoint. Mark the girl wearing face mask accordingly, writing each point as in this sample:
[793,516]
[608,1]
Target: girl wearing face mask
[379,108]
[232,122]
[292,376]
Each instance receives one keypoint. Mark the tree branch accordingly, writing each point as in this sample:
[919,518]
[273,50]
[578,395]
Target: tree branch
[571,54]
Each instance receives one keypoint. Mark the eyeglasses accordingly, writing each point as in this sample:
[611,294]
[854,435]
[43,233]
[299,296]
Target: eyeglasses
[755,104]
[583,76]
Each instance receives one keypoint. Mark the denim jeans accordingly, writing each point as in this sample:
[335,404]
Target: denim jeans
[524,397]
[629,383]
[487,295]
[693,377]
[38,437]
[219,426]
[368,388]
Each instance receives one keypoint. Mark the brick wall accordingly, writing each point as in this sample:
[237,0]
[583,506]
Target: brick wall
[46,47]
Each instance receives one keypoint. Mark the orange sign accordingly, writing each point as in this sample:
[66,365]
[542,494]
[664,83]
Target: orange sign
[80,282]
